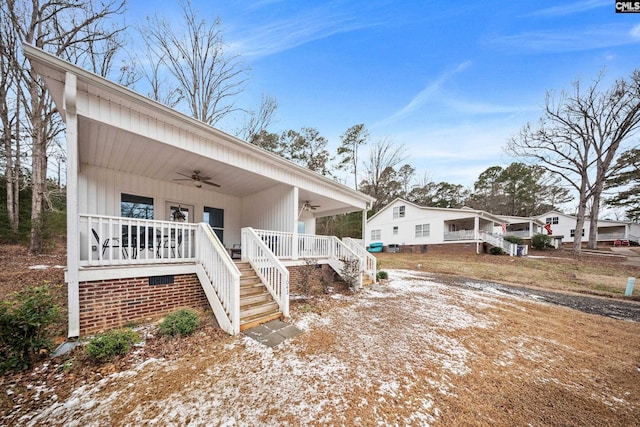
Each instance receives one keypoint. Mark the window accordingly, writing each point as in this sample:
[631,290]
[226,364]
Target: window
[422,230]
[573,233]
[395,229]
[215,218]
[551,220]
[375,235]
[136,206]
[398,212]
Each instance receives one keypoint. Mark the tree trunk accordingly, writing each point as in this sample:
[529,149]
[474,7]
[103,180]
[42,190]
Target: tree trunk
[595,212]
[582,210]
[38,167]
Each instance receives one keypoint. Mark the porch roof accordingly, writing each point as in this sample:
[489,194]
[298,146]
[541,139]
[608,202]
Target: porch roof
[121,130]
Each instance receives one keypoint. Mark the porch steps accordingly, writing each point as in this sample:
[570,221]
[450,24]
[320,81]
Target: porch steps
[256,303]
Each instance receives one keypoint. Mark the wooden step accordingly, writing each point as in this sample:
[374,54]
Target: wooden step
[258,308]
[250,322]
[257,298]
[252,288]
[256,303]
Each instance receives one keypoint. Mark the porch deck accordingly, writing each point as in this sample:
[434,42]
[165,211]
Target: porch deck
[126,244]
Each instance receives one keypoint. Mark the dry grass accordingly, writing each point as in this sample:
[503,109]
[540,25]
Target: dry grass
[558,270]
[452,355]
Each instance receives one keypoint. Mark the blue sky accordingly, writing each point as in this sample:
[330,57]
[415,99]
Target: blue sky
[451,81]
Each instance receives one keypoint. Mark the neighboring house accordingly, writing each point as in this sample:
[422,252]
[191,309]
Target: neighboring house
[420,228]
[157,201]
[609,232]
[523,227]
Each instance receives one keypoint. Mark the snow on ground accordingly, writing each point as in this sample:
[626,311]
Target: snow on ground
[379,359]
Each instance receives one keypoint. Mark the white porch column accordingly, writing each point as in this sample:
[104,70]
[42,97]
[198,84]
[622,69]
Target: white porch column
[73,226]
[294,243]
[476,232]
[364,227]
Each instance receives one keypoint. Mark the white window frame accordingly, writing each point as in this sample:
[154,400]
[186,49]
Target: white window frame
[553,220]
[376,235]
[422,230]
[395,230]
[399,212]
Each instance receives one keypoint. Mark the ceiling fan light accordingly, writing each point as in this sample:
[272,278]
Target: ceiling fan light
[198,184]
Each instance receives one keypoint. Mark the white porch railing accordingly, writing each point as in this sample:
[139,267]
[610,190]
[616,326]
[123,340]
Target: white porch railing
[311,246]
[611,236]
[459,235]
[267,266]
[370,261]
[519,233]
[107,240]
[512,249]
[220,279]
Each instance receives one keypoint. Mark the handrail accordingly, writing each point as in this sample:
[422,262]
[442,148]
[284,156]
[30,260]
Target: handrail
[508,247]
[222,275]
[370,261]
[110,240]
[267,266]
[344,254]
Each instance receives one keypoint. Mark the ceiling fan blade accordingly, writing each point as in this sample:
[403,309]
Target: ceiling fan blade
[186,176]
[211,183]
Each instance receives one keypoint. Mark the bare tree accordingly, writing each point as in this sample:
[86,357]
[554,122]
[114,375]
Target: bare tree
[381,181]
[207,76]
[578,138]
[353,138]
[64,28]
[260,120]
[405,174]
[10,115]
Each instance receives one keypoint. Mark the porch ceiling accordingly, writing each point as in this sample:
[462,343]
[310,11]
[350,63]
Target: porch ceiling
[117,149]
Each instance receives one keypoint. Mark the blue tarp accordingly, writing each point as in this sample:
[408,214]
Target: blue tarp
[375,247]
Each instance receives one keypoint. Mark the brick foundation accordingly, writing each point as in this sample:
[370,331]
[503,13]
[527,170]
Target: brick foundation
[442,248]
[111,304]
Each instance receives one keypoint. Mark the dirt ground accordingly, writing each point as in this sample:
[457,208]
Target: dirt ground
[430,347]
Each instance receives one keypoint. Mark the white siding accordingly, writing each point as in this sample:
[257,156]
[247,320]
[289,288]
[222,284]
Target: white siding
[434,217]
[272,209]
[100,192]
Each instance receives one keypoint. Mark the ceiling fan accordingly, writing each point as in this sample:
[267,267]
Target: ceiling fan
[197,179]
[308,206]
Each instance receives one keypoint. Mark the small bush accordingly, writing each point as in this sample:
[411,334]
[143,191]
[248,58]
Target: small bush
[514,239]
[111,344]
[540,241]
[496,250]
[382,275]
[181,323]
[25,328]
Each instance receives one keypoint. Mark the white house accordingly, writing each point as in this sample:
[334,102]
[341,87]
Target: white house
[609,232]
[420,228]
[156,200]
[523,227]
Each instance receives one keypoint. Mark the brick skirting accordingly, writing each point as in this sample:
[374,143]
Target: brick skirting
[441,248]
[114,303]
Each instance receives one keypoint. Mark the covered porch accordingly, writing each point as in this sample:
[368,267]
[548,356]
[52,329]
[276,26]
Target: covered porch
[152,192]
[470,228]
